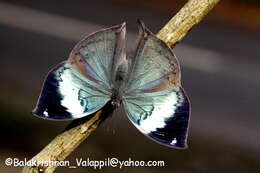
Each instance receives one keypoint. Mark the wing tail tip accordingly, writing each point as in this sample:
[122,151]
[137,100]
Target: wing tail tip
[38,114]
[42,115]
[179,146]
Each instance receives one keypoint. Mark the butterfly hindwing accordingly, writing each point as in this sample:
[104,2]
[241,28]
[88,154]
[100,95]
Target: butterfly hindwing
[67,95]
[163,116]
[155,101]
[82,85]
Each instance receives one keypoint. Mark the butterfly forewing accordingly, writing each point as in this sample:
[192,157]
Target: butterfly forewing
[154,66]
[94,57]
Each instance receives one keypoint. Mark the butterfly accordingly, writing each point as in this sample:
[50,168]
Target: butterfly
[98,71]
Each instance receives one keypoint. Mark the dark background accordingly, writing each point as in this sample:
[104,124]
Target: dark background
[220,61]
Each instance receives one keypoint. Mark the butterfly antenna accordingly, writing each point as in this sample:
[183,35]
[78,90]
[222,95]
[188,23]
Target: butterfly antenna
[123,26]
[141,23]
[143,30]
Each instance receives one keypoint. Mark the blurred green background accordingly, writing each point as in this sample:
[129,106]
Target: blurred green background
[220,62]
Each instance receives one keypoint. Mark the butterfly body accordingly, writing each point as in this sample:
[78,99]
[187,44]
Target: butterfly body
[116,98]
[147,84]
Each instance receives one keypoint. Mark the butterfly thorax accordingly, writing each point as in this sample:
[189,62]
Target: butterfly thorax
[116,98]
[119,84]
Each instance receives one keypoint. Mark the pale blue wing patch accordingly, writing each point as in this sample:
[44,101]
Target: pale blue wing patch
[162,116]
[66,94]
[155,101]
[154,65]
[94,57]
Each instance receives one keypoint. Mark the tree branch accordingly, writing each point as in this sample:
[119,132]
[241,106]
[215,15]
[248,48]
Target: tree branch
[190,14]
[62,145]
[66,142]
